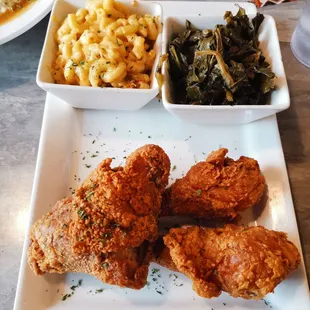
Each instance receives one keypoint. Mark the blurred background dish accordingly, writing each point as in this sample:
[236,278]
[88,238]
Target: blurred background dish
[18,16]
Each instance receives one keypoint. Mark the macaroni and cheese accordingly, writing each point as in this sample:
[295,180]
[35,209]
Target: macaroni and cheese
[104,46]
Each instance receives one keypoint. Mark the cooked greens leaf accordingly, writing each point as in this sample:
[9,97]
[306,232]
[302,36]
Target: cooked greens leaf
[220,66]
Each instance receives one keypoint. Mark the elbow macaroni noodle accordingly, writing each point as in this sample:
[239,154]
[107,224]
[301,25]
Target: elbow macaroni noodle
[104,46]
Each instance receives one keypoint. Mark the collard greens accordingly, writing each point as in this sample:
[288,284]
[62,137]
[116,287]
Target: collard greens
[221,66]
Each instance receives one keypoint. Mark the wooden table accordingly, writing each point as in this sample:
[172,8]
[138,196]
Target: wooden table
[294,123]
[21,106]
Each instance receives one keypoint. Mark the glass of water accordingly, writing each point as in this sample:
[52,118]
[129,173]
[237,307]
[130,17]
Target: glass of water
[300,42]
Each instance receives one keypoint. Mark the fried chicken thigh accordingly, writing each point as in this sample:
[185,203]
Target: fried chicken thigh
[217,188]
[247,262]
[105,227]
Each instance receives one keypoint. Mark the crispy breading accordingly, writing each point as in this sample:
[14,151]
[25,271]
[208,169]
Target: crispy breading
[103,228]
[247,262]
[216,188]
[158,164]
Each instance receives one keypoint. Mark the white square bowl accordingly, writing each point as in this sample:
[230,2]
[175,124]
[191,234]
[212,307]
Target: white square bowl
[238,114]
[88,97]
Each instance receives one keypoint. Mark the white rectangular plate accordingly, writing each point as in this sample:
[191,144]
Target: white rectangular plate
[69,135]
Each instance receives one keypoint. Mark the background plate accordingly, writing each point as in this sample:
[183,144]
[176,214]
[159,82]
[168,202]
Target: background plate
[25,21]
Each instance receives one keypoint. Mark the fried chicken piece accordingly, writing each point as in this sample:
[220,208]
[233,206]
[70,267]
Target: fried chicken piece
[247,262]
[104,228]
[217,188]
[158,164]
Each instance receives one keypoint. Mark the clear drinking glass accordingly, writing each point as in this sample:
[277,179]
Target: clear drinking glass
[300,42]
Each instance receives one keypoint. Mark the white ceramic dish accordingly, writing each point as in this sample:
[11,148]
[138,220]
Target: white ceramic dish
[25,20]
[68,135]
[93,97]
[269,44]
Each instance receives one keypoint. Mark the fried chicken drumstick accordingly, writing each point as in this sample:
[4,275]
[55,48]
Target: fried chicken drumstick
[105,227]
[216,188]
[247,262]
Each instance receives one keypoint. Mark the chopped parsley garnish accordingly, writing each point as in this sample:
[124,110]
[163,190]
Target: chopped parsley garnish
[114,129]
[83,158]
[93,185]
[93,141]
[198,192]
[105,265]
[82,63]
[74,64]
[80,282]
[155,270]
[149,137]
[89,195]
[65,297]
[107,235]
[174,167]
[93,155]
[87,166]
[99,291]
[81,213]
[159,292]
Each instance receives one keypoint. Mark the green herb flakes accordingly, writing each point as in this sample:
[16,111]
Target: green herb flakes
[66,296]
[107,235]
[99,291]
[89,195]
[81,213]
